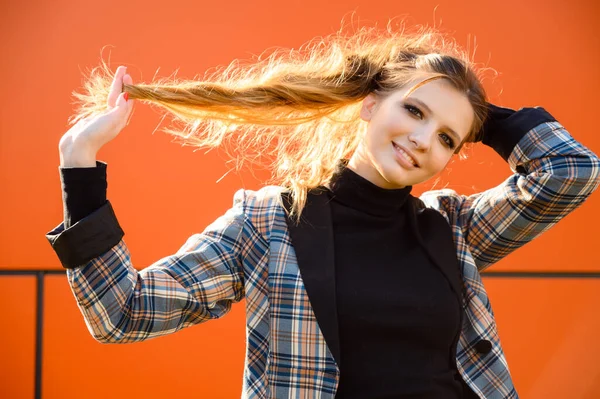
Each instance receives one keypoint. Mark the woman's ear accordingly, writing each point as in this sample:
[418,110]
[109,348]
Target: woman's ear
[368,106]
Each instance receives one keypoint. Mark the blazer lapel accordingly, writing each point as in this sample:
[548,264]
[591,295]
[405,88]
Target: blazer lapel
[312,239]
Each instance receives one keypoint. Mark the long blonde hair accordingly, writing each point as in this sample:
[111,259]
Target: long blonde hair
[296,112]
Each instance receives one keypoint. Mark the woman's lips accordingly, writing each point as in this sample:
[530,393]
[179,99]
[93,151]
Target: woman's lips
[403,157]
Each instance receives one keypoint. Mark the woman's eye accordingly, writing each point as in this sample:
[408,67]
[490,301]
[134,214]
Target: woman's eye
[447,140]
[414,110]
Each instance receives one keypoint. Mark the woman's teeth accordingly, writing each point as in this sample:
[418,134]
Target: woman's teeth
[405,155]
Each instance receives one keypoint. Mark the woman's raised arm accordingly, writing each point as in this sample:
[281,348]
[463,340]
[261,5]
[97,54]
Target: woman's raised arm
[552,175]
[198,283]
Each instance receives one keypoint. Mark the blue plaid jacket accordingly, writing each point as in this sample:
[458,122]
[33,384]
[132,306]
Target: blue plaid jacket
[285,270]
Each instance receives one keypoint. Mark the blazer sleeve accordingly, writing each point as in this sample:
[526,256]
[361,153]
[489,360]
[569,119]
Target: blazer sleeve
[199,282]
[552,175]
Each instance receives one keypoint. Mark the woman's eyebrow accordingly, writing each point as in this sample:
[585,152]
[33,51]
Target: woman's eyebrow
[422,104]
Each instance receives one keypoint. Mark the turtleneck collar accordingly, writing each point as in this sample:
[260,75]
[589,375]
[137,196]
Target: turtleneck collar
[354,191]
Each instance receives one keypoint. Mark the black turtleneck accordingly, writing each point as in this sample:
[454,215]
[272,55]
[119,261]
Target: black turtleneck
[397,312]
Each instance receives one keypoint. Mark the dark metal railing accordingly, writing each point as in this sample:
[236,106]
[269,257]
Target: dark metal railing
[39,318]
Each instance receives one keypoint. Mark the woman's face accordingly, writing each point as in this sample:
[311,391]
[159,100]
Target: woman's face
[409,140]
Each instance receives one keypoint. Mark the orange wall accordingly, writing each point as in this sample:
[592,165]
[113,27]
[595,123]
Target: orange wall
[547,53]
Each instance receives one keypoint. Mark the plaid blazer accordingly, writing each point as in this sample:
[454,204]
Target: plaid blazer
[285,271]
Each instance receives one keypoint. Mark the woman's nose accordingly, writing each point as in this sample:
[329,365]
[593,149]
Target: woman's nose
[421,138]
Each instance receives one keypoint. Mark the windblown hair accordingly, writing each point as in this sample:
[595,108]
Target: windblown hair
[296,112]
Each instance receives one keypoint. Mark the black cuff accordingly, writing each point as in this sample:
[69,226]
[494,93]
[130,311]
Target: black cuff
[84,191]
[504,127]
[89,238]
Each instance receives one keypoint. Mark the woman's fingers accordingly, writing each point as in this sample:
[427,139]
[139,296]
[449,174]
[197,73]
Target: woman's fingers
[127,79]
[116,87]
[118,117]
[129,103]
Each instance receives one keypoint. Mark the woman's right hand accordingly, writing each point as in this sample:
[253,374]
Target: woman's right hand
[80,144]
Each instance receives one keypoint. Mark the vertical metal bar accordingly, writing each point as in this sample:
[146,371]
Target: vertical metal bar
[39,324]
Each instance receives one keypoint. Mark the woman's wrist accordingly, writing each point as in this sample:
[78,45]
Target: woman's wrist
[77,158]
[505,127]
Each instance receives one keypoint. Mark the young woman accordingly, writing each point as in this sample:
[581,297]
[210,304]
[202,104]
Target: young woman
[353,287]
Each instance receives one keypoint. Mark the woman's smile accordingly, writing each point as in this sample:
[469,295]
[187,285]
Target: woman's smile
[404,157]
